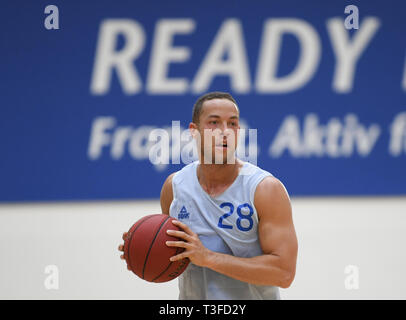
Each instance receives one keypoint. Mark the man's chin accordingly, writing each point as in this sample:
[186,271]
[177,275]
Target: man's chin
[225,157]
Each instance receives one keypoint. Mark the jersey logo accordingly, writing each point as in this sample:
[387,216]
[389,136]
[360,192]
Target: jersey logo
[183,214]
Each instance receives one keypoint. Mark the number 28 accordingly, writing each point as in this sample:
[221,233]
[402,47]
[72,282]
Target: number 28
[241,216]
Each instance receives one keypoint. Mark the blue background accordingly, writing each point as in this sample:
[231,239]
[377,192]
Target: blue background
[47,108]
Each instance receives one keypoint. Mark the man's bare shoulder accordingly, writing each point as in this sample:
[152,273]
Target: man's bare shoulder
[167,194]
[168,180]
[271,195]
[270,184]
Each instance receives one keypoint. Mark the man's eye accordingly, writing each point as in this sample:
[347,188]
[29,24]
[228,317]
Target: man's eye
[213,122]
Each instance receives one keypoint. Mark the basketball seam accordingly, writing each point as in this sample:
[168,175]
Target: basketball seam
[178,250]
[132,234]
[150,247]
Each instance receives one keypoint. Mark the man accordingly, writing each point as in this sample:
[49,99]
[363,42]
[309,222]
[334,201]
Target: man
[236,218]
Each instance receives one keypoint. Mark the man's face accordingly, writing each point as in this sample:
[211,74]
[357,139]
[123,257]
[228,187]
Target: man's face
[217,130]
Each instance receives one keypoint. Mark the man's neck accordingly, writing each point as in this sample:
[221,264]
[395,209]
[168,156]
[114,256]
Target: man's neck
[217,175]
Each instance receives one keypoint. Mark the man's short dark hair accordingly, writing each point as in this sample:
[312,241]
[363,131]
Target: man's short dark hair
[197,108]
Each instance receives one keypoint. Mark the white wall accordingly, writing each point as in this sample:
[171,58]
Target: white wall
[81,239]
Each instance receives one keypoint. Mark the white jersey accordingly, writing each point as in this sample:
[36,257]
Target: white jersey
[227,223]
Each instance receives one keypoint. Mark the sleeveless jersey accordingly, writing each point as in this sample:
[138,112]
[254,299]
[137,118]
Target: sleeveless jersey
[227,223]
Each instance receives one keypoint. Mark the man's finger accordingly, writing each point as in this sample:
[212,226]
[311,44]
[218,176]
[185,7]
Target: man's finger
[183,226]
[121,247]
[125,235]
[179,234]
[181,244]
[178,257]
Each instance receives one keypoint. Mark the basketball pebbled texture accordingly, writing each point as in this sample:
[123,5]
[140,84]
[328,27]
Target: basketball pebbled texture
[146,252]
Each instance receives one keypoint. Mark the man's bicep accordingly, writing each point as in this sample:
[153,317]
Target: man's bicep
[276,230]
[166,195]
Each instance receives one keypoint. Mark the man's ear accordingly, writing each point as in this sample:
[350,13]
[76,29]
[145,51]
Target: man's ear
[193,129]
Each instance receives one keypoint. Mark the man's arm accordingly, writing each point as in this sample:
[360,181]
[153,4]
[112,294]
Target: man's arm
[277,234]
[166,200]
[167,194]
[277,265]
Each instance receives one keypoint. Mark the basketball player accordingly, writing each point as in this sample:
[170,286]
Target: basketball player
[236,219]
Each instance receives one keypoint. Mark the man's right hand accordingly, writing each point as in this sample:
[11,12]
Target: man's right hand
[121,248]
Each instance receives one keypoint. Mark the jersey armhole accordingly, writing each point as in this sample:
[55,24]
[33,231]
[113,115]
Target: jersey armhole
[255,185]
[173,186]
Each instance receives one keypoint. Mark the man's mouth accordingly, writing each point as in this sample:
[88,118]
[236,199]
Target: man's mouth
[223,145]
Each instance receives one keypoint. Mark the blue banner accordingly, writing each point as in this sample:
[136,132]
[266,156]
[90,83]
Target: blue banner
[85,83]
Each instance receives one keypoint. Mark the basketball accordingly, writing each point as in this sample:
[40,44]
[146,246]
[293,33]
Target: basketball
[146,252]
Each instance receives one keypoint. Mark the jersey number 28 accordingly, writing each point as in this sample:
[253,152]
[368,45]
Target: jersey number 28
[241,216]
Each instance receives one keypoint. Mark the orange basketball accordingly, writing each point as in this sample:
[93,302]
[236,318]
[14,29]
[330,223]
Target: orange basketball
[146,252]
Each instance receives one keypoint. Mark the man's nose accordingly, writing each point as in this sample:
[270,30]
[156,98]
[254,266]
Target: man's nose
[225,130]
